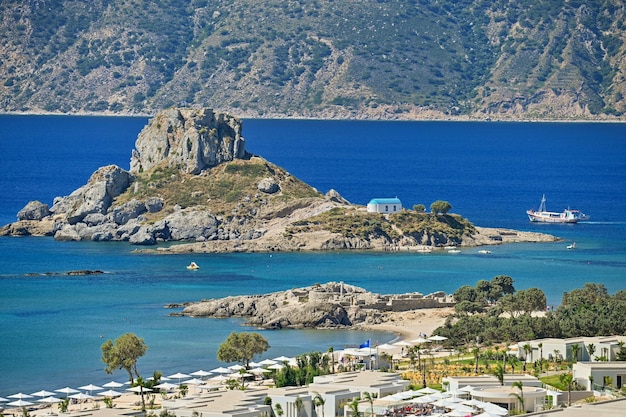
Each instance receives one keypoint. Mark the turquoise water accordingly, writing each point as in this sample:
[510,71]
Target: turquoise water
[53,325]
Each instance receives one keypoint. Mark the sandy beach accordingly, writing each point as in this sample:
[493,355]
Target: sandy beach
[409,325]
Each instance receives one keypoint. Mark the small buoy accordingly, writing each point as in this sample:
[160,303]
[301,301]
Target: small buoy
[193,265]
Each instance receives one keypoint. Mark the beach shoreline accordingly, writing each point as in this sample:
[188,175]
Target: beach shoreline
[409,325]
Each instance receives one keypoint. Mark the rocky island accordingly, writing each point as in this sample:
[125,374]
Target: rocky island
[330,305]
[191,180]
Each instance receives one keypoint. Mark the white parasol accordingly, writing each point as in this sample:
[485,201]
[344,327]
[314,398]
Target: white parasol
[267,362]
[91,388]
[437,338]
[201,373]
[236,367]
[110,393]
[20,396]
[179,376]
[167,386]
[42,393]
[221,370]
[138,388]
[20,403]
[113,384]
[67,391]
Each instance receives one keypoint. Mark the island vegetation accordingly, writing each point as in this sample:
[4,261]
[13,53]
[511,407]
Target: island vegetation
[331,59]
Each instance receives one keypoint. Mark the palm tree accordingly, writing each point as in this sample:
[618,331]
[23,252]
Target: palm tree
[319,401]
[354,407]
[331,352]
[520,396]
[568,381]
[540,356]
[475,352]
[556,357]
[370,397]
[591,348]
[498,372]
[299,405]
[575,351]
[528,350]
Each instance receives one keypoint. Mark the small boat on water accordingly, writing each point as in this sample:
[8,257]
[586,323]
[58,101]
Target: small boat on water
[193,265]
[484,252]
[544,216]
[572,246]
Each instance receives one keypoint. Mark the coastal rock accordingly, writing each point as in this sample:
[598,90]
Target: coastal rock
[188,225]
[96,196]
[268,186]
[334,196]
[188,139]
[34,210]
[142,237]
[131,210]
[154,204]
[330,305]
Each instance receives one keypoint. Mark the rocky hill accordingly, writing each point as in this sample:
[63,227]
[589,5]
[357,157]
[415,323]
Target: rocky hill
[378,59]
[192,180]
[330,305]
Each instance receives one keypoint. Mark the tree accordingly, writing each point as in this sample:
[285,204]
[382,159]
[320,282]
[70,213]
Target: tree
[528,350]
[476,352]
[440,207]
[591,348]
[279,410]
[318,402]
[370,397]
[567,380]
[575,351]
[242,347]
[299,404]
[354,407]
[520,396]
[419,208]
[123,354]
[498,372]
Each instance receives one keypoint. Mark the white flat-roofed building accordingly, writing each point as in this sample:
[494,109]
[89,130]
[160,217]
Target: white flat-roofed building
[596,375]
[384,205]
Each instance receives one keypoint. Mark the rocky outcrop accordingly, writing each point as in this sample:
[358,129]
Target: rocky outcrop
[188,139]
[330,305]
[34,210]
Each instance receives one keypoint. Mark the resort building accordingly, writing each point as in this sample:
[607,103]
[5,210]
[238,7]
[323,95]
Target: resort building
[597,376]
[487,388]
[592,349]
[384,205]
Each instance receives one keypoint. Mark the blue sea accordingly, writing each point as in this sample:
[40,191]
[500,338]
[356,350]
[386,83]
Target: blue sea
[52,326]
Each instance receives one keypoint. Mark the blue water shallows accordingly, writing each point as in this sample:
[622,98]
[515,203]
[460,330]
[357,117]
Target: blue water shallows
[53,325]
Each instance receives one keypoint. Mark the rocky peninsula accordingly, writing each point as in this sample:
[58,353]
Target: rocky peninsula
[192,181]
[330,305]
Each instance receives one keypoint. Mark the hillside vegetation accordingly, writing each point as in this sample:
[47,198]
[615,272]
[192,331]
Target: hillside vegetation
[385,59]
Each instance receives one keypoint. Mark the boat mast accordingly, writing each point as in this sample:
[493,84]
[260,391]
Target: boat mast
[542,206]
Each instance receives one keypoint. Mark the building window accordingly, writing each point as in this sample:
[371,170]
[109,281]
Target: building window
[386,208]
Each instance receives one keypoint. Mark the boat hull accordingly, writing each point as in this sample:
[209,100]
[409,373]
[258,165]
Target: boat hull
[552,217]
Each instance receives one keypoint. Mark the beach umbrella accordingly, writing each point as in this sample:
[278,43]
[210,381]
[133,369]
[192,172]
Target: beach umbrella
[179,376]
[386,346]
[91,388]
[267,362]
[282,359]
[462,408]
[113,384]
[455,413]
[419,340]
[402,343]
[201,373]
[81,396]
[253,364]
[437,338]
[467,388]
[110,393]
[491,408]
[3,399]
[427,391]
[219,378]
[276,366]
[260,370]
[20,396]
[424,399]
[138,388]
[42,393]
[49,400]
[221,370]
[20,403]
[167,386]
[67,391]
[235,367]
[486,414]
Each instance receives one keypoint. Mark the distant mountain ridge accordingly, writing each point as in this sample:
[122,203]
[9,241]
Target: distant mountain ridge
[372,59]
